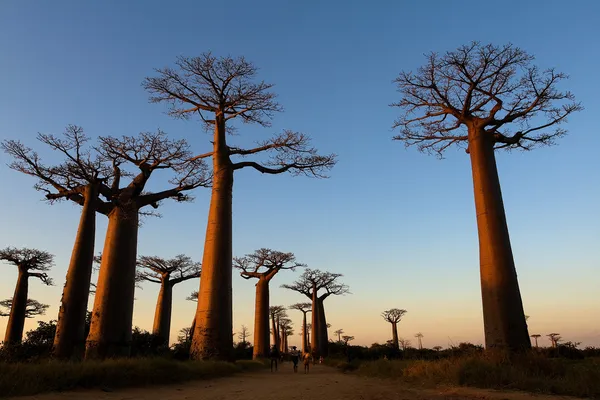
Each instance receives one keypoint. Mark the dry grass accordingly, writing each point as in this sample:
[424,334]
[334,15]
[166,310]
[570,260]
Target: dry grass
[30,378]
[531,372]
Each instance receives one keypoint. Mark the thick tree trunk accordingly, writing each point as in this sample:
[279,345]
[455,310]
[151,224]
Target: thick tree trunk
[261,320]
[304,334]
[16,319]
[285,341]
[315,346]
[110,329]
[275,337]
[503,316]
[395,335]
[323,335]
[69,340]
[162,315]
[214,317]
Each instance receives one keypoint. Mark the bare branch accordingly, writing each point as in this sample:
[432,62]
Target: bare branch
[170,271]
[393,315]
[265,263]
[33,308]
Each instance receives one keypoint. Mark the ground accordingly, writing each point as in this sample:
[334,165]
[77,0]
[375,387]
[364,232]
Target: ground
[321,383]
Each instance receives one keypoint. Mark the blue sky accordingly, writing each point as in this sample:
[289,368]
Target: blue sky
[398,224]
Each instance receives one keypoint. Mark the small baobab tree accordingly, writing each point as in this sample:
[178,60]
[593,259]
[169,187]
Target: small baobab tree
[554,339]
[488,98]
[404,343]
[167,273]
[419,337]
[304,308]
[347,339]
[263,265]
[244,334]
[33,308]
[535,337]
[393,316]
[339,333]
[31,263]
[80,178]
[276,313]
[137,158]
[437,348]
[309,284]
[285,330]
[221,90]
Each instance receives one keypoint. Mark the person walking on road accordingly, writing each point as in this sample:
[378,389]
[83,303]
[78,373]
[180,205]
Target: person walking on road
[306,358]
[274,355]
[295,355]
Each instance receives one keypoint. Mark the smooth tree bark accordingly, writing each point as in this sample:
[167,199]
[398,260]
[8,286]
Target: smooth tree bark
[305,308]
[78,179]
[309,284]
[219,90]
[167,273]
[393,316]
[31,263]
[263,265]
[110,329]
[486,97]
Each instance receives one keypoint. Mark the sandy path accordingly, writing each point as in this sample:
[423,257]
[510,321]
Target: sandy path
[322,383]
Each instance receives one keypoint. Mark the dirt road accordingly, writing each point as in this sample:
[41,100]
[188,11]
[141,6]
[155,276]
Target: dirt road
[321,383]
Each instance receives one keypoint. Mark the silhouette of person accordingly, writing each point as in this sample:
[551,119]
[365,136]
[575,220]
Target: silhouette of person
[295,355]
[306,358]
[274,355]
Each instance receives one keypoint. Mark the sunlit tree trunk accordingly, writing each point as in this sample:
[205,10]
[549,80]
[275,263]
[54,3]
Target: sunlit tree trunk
[275,337]
[16,319]
[315,346]
[261,320]
[110,329]
[395,335]
[69,340]
[304,334]
[162,315]
[503,315]
[212,337]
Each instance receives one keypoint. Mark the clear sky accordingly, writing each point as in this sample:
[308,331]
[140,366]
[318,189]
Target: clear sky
[398,224]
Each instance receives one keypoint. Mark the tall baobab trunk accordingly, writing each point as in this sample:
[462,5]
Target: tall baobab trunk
[285,341]
[304,334]
[110,329]
[16,320]
[315,347]
[69,340]
[212,337]
[162,315]
[275,337]
[322,331]
[503,315]
[261,320]
[395,335]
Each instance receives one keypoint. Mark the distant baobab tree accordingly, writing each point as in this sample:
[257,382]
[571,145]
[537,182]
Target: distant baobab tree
[110,329]
[472,97]
[304,308]
[339,333]
[193,297]
[285,330]
[554,339]
[419,336]
[33,309]
[405,343]
[167,273]
[80,178]
[309,284]
[219,90]
[535,337]
[276,313]
[244,334]
[437,348]
[347,339]
[263,265]
[31,263]
[393,316]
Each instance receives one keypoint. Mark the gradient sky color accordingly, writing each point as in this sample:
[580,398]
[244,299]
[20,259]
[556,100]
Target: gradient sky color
[398,224]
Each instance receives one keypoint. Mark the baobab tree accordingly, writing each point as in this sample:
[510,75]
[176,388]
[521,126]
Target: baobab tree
[110,330]
[309,284]
[220,90]
[437,348]
[31,263]
[33,308]
[263,265]
[554,339]
[488,98]
[339,334]
[80,179]
[405,343]
[304,308]
[393,316]
[244,334]
[285,330]
[347,339]
[167,273]
[276,312]
[193,297]
[419,336]
[535,337]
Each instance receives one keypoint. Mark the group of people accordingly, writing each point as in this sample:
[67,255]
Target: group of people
[295,355]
